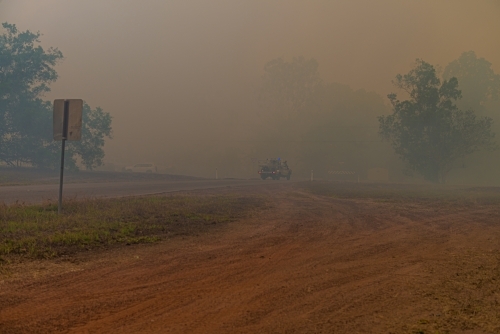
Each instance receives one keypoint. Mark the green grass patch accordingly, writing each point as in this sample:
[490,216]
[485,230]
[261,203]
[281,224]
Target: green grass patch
[38,231]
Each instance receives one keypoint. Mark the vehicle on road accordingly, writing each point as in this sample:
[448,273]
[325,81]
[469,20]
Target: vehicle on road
[274,169]
[142,168]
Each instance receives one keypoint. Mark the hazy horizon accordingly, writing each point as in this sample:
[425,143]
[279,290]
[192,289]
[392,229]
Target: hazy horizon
[178,72]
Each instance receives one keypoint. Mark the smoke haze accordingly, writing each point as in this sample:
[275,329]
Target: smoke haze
[180,75]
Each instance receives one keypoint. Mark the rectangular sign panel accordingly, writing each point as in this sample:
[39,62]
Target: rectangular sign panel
[75,119]
[67,119]
[58,119]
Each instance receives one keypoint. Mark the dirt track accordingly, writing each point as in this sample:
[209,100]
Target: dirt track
[310,264]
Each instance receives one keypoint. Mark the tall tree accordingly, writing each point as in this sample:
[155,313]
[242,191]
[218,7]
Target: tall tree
[96,126]
[26,71]
[314,124]
[478,82]
[427,130]
[344,131]
[288,88]
[287,97]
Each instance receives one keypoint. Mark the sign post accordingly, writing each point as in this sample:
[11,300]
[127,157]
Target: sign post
[67,122]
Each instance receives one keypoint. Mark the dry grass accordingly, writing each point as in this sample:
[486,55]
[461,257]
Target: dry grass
[37,231]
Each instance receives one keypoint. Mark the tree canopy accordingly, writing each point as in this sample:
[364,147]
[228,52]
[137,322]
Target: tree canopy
[427,130]
[26,71]
[478,82]
[96,126]
[289,87]
[316,124]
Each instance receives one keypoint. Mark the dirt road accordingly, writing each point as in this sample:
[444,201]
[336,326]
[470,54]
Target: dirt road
[307,264]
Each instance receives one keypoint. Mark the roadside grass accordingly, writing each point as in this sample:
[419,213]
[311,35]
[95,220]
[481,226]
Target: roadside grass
[407,193]
[38,232]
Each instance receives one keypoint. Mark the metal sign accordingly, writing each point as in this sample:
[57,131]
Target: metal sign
[67,119]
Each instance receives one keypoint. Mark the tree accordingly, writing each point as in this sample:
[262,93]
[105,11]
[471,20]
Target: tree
[344,131]
[26,71]
[287,99]
[478,82]
[288,88]
[96,126]
[428,131]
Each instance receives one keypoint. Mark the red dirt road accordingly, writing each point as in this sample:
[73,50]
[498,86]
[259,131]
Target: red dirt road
[308,264]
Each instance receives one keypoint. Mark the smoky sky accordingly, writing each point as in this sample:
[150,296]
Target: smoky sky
[177,73]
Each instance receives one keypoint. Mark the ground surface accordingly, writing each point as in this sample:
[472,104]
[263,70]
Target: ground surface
[32,186]
[311,262]
[26,175]
[49,193]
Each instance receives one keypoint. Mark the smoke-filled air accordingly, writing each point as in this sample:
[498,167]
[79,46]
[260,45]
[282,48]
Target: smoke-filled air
[389,90]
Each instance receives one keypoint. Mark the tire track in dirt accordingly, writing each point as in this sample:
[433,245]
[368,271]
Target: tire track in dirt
[310,264]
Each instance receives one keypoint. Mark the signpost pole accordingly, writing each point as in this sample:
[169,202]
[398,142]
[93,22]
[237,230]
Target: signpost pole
[61,177]
[64,137]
